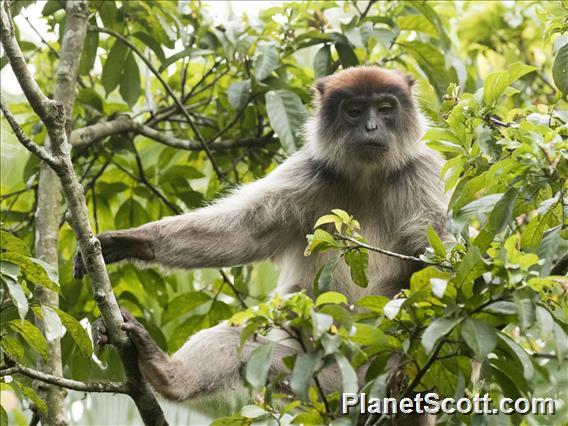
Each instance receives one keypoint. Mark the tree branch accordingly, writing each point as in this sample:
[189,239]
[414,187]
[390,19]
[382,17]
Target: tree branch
[52,115]
[387,252]
[40,103]
[107,387]
[170,92]
[37,150]
[89,134]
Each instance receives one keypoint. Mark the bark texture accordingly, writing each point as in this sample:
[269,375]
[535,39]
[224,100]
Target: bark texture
[52,114]
[48,212]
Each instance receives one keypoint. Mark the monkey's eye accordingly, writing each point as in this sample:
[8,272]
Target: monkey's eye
[354,112]
[385,108]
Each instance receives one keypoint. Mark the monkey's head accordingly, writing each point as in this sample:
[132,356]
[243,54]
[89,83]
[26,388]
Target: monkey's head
[365,117]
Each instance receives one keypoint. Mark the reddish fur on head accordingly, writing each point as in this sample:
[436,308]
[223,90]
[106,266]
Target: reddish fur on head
[345,142]
[364,80]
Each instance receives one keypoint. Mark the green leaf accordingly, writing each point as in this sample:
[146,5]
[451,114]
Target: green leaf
[266,62]
[77,332]
[358,261]
[346,54]
[52,325]
[547,250]
[31,394]
[322,62]
[286,114]
[331,297]
[112,68]
[149,41]
[470,268]
[369,336]
[31,335]
[501,308]
[190,51]
[304,368]
[560,69]
[130,81]
[239,93]
[33,271]
[439,328]
[10,243]
[89,52]
[534,231]
[479,336]
[561,341]
[436,242]
[258,366]
[130,214]
[9,269]
[348,376]
[498,219]
[373,303]
[13,348]
[91,98]
[432,62]
[435,20]
[497,82]
[526,311]
[321,323]
[3,416]
[513,349]
[183,304]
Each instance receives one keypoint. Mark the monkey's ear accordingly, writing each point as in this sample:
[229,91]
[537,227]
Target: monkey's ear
[410,80]
[319,87]
[407,78]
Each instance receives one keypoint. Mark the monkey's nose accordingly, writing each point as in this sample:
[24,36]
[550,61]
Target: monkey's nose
[371,126]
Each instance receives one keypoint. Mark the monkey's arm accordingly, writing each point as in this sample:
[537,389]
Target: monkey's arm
[247,226]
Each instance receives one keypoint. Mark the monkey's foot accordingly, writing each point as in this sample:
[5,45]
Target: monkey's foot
[99,331]
[144,343]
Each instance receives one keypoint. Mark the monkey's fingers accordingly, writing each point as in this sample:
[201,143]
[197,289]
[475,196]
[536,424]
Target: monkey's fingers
[100,335]
[78,266]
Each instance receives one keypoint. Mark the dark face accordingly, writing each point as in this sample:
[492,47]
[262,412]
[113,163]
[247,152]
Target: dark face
[368,124]
[367,114]
[369,121]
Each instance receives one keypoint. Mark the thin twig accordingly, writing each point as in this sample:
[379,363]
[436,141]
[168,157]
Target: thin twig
[37,150]
[230,284]
[170,92]
[107,387]
[380,250]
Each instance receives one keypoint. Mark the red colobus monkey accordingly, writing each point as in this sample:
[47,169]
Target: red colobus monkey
[362,154]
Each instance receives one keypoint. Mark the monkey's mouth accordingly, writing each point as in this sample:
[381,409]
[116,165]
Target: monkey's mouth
[374,144]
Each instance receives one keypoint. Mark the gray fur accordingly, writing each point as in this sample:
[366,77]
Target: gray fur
[394,194]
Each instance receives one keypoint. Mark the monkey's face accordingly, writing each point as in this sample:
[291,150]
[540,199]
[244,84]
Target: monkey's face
[369,123]
[367,114]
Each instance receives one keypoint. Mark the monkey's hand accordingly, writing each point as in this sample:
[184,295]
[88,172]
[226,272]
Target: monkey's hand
[145,345]
[117,246]
[99,331]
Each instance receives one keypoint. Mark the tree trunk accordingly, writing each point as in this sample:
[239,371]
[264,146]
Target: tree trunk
[48,212]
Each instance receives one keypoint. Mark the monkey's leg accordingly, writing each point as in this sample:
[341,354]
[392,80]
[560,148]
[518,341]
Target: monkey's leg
[207,363]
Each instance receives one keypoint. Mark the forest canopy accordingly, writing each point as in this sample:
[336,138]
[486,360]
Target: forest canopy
[163,107]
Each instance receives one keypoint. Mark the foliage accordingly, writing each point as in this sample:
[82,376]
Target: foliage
[491,78]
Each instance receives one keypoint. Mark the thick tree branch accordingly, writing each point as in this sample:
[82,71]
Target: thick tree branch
[54,120]
[89,134]
[49,199]
[170,92]
[110,387]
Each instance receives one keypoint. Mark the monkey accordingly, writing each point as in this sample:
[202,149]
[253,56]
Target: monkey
[363,154]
